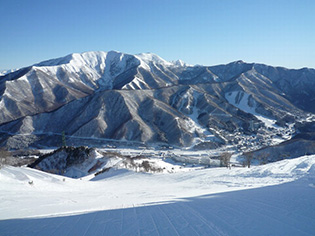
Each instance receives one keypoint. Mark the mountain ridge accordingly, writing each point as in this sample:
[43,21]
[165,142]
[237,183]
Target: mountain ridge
[144,98]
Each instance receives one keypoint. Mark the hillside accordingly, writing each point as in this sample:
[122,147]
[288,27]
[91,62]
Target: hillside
[95,97]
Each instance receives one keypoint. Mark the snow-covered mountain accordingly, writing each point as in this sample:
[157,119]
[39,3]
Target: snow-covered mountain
[144,98]
[4,72]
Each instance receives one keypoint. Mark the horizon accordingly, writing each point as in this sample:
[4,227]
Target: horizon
[199,33]
[240,60]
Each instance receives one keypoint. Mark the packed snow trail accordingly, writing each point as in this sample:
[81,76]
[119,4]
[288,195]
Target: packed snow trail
[274,199]
[286,209]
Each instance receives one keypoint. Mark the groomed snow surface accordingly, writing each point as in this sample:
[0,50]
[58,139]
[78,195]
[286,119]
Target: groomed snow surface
[273,199]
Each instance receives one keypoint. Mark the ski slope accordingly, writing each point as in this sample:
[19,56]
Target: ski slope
[274,199]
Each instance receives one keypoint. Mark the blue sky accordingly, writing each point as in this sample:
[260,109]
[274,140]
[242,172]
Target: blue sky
[208,32]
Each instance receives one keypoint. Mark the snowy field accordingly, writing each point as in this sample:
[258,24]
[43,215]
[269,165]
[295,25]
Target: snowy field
[273,199]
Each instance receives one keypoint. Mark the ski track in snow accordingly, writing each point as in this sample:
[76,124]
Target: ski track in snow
[214,201]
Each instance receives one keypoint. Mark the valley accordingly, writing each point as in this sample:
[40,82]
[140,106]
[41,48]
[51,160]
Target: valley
[109,143]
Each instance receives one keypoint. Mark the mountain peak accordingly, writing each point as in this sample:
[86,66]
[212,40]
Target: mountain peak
[180,63]
[151,57]
[239,62]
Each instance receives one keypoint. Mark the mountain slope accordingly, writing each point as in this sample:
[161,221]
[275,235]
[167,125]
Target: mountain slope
[112,95]
[273,199]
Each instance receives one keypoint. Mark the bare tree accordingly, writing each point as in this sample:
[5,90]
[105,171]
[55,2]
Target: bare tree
[63,138]
[248,159]
[225,159]
[4,155]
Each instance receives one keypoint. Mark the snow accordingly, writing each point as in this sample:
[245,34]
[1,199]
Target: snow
[243,101]
[100,67]
[181,63]
[187,104]
[151,57]
[4,72]
[138,83]
[273,199]
[240,100]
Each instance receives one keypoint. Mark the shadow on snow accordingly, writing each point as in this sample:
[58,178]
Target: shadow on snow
[287,209]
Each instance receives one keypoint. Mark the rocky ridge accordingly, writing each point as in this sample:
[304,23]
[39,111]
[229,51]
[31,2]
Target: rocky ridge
[96,97]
